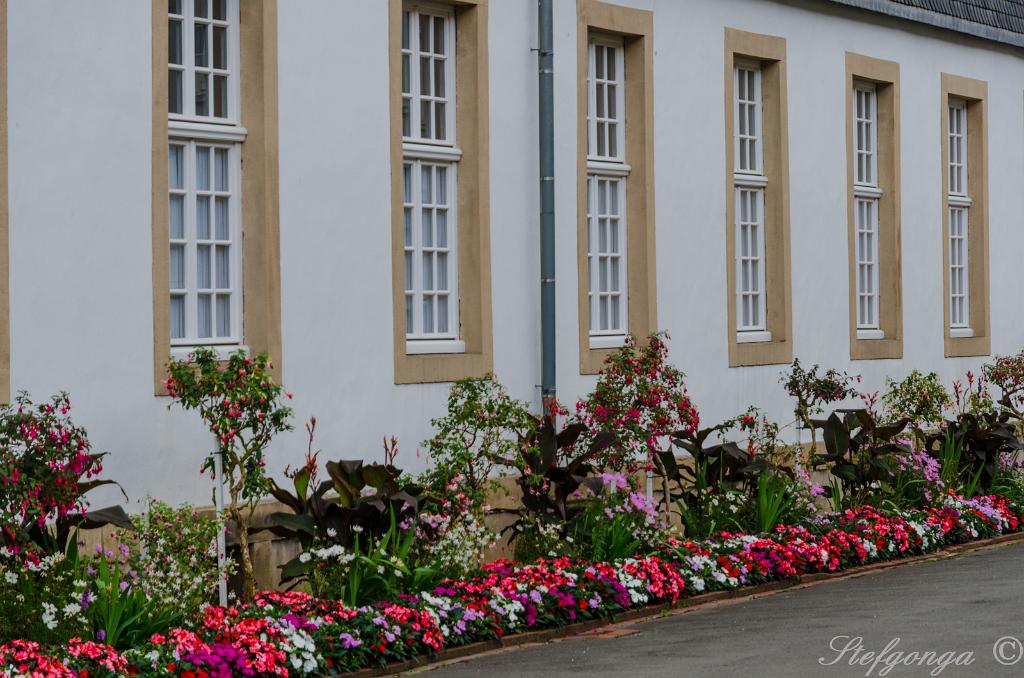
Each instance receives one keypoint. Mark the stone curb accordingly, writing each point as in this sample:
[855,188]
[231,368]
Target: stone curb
[682,606]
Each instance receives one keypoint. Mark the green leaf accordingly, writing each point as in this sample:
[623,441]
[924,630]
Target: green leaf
[836,436]
[294,569]
[299,523]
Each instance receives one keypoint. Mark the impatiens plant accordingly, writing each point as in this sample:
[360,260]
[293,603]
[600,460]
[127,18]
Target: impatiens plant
[242,406]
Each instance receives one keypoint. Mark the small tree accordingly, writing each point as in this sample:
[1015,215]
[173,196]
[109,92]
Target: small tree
[242,406]
[813,389]
[639,401]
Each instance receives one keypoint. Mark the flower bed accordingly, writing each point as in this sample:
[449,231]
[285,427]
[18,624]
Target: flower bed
[293,633]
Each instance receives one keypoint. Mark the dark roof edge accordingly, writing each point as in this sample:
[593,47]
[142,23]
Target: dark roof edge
[938,20]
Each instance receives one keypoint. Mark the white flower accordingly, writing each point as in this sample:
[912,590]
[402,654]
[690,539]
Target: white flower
[49,616]
[11,577]
[331,532]
[357,529]
[305,557]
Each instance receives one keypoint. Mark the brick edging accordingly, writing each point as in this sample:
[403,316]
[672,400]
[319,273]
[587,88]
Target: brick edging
[682,605]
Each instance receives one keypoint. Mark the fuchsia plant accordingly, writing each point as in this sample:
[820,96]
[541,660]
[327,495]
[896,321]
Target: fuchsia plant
[46,467]
[640,400]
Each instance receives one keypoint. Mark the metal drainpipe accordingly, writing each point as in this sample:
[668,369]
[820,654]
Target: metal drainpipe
[546,125]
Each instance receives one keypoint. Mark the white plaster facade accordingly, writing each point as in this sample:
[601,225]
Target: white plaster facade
[81,316]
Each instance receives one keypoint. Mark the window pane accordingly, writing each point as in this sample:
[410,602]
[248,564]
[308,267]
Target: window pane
[439,78]
[442,228]
[175,156]
[221,167]
[177,267]
[428,227]
[425,120]
[220,10]
[174,92]
[174,41]
[174,6]
[177,317]
[424,21]
[203,168]
[203,311]
[220,47]
[425,80]
[439,126]
[220,96]
[426,185]
[200,8]
[204,279]
[406,18]
[223,315]
[221,219]
[428,272]
[202,50]
[203,217]
[223,267]
[439,35]
[176,222]
[442,314]
[428,315]
[202,95]
[442,271]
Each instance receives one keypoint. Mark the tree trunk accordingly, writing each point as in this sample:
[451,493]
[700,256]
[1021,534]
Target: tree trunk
[249,579]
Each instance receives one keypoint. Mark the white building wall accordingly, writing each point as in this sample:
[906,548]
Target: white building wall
[80,166]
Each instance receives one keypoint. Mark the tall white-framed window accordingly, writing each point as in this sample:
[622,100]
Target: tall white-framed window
[959,311]
[203,58]
[606,258]
[429,178]
[606,120]
[749,183]
[205,242]
[867,194]
[959,202]
[607,174]
[204,174]
[747,109]
[957,147]
[428,73]
[750,307]
[866,222]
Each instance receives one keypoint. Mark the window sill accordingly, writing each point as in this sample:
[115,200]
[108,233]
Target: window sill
[961,333]
[754,337]
[607,341]
[607,167]
[424,151]
[866,191]
[223,351]
[207,131]
[870,335]
[752,180]
[433,346]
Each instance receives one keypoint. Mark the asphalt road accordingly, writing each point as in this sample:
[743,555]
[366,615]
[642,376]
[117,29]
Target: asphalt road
[951,608]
